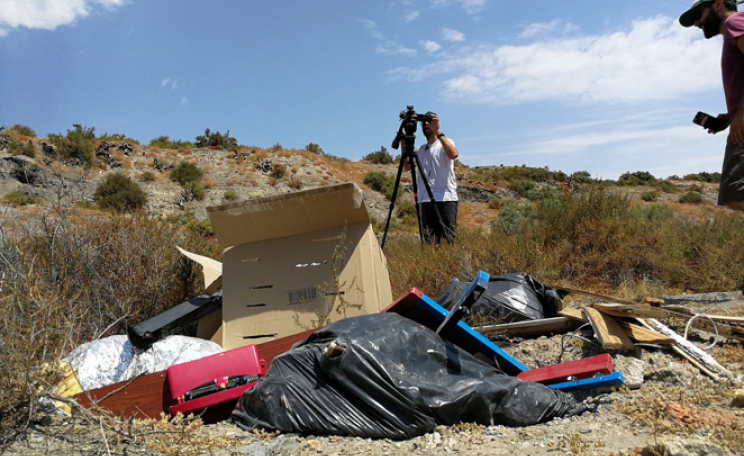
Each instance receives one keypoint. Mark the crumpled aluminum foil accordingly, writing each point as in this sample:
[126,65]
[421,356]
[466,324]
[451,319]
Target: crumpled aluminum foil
[113,359]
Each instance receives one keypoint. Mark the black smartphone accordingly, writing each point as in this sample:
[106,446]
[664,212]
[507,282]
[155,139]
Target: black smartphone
[709,122]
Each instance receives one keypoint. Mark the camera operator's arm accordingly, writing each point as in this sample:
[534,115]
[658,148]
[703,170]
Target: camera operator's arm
[447,145]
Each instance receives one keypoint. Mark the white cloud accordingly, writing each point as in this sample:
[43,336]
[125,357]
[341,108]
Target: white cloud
[431,46]
[393,48]
[655,60]
[452,35]
[388,47]
[371,27]
[542,29]
[411,16]
[468,6]
[168,82]
[47,14]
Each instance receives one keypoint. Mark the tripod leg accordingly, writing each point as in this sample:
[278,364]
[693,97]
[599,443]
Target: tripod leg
[392,202]
[415,200]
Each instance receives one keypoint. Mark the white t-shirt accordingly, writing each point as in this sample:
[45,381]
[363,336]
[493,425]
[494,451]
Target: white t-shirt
[440,171]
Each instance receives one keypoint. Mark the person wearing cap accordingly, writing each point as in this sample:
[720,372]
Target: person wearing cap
[719,17]
[437,159]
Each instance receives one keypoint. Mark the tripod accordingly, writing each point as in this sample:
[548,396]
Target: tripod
[407,132]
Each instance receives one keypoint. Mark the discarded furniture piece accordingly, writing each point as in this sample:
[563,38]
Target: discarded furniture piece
[579,369]
[173,320]
[420,308]
[213,380]
[291,259]
[213,383]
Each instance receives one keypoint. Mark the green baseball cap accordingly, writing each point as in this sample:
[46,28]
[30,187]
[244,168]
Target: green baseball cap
[687,19]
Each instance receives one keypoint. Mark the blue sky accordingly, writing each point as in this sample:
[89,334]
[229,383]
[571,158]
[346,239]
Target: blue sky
[606,86]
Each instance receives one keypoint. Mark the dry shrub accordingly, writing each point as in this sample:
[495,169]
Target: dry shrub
[596,241]
[69,279]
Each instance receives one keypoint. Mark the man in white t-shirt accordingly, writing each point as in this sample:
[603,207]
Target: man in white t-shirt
[437,159]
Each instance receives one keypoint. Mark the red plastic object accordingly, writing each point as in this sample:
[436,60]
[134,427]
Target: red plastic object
[219,368]
[579,369]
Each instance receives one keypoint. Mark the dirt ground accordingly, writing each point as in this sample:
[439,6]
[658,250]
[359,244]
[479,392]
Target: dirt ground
[669,408]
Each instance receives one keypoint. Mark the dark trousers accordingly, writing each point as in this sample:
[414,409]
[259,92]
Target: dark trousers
[434,232]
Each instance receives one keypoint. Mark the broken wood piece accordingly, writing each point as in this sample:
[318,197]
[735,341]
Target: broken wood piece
[610,334]
[531,328]
[656,302]
[635,332]
[635,310]
[703,361]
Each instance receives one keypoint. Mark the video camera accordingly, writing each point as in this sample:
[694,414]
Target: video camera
[408,118]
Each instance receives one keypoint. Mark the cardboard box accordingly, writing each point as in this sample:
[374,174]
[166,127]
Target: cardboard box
[297,261]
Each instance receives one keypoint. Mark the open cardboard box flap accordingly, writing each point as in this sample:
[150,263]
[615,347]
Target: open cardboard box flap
[288,215]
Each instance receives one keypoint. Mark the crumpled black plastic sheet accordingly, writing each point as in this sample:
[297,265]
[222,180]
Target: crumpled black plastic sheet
[396,379]
[508,298]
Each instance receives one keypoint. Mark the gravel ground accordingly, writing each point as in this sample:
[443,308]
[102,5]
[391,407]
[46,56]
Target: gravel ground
[693,416]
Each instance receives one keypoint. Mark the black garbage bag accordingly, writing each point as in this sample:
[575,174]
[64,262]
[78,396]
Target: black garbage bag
[396,379]
[508,298]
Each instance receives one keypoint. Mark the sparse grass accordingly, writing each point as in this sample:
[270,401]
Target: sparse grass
[21,198]
[230,195]
[650,196]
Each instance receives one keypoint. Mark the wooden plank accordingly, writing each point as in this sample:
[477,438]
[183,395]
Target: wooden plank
[579,369]
[143,397]
[635,332]
[531,328]
[635,310]
[610,334]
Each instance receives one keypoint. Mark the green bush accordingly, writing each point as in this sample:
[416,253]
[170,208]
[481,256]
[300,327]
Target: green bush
[543,193]
[522,186]
[196,189]
[216,139]
[518,173]
[77,144]
[202,228]
[582,177]
[21,198]
[380,182]
[26,149]
[148,176]
[23,130]
[314,148]
[380,157]
[118,193]
[165,142]
[230,195]
[513,216]
[667,187]
[117,137]
[650,196]
[186,172]
[691,197]
[637,178]
[704,177]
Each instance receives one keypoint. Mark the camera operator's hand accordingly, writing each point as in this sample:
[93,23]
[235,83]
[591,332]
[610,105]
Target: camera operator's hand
[724,118]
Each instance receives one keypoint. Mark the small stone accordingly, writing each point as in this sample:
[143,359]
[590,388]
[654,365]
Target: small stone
[738,399]
[585,431]
[313,444]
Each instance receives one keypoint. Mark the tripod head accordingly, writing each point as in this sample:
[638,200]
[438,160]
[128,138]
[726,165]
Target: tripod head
[407,130]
